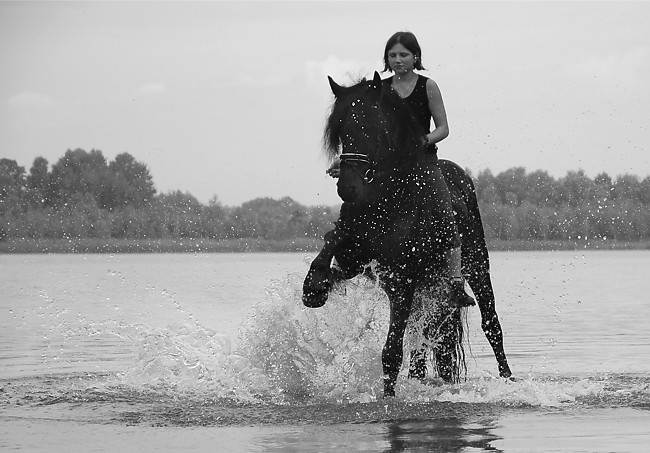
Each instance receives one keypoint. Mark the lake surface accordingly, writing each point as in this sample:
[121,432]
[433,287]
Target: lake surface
[215,352]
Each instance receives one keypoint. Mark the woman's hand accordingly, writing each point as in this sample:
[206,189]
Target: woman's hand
[335,169]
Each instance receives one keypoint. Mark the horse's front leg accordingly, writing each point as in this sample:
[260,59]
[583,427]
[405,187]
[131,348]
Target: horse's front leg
[319,279]
[392,354]
[482,286]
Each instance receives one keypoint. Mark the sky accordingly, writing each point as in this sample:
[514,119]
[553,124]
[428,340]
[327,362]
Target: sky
[229,99]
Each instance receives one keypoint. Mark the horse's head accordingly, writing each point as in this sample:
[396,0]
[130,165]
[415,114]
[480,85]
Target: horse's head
[356,127]
[374,132]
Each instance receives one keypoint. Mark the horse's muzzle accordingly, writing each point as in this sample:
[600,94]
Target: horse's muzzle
[347,192]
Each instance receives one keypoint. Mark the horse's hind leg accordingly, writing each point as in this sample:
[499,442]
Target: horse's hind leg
[448,361]
[482,286]
[392,354]
[476,262]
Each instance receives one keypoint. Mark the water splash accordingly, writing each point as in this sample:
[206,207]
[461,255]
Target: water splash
[329,354]
[193,360]
[287,355]
[291,355]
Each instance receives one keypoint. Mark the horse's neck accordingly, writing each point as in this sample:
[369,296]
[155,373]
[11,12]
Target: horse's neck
[401,194]
[395,201]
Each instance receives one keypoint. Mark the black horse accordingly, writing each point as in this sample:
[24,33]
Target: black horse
[385,217]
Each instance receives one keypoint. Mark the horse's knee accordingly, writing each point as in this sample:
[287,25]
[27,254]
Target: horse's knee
[316,287]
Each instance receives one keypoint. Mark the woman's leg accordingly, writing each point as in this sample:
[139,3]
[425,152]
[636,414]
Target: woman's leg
[447,232]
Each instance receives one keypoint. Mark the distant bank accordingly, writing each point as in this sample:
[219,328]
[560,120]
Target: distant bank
[244,245]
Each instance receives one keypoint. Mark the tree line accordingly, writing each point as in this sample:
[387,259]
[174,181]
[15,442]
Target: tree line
[82,195]
[520,205]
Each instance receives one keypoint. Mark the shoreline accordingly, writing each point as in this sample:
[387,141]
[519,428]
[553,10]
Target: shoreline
[255,245]
[188,245]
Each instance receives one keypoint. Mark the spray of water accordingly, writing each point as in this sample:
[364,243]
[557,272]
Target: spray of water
[290,355]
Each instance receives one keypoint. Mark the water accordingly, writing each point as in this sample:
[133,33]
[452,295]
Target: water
[215,352]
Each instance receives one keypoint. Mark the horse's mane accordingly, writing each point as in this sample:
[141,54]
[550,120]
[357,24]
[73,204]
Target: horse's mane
[404,131]
[334,124]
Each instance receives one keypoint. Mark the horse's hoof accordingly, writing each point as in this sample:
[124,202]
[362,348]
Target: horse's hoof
[314,299]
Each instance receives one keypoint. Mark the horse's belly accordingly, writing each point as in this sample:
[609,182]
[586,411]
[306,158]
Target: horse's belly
[408,252]
[400,246]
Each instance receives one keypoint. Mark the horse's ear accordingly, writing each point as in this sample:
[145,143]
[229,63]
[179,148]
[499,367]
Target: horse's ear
[336,88]
[376,81]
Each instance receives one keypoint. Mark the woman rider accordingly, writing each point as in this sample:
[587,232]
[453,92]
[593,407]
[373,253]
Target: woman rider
[402,55]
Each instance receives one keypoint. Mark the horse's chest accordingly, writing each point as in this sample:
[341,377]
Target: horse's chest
[398,239]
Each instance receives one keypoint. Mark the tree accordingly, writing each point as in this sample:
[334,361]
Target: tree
[130,183]
[602,189]
[269,219]
[38,182]
[575,187]
[626,187]
[213,218]
[181,214]
[12,186]
[603,180]
[79,173]
[486,189]
[321,220]
[541,188]
[512,186]
[644,191]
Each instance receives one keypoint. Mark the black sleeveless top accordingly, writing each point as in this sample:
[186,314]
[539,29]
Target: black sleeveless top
[418,102]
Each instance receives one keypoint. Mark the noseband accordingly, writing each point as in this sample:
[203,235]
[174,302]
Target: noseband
[350,158]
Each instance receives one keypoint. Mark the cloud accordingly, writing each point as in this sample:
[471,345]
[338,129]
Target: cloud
[343,72]
[622,72]
[29,100]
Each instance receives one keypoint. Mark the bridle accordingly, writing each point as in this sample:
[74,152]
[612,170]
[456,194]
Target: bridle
[351,158]
[367,176]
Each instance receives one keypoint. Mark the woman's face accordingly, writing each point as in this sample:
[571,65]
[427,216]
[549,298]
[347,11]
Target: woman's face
[400,59]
